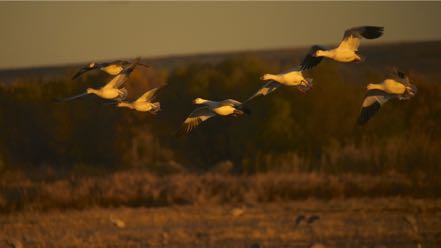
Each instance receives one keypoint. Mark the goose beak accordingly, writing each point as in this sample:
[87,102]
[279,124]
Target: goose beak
[265,77]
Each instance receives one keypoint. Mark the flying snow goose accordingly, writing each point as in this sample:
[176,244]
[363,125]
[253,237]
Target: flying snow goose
[397,85]
[228,107]
[143,103]
[111,68]
[347,51]
[111,90]
[293,77]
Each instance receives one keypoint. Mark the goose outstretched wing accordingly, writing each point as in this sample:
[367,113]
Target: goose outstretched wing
[351,38]
[266,89]
[121,78]
[148,96]
[195,118]
[310,59]
[372,102]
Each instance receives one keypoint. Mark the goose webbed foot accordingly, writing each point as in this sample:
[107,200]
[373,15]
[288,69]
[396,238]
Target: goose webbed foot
[359,60]
[304,88]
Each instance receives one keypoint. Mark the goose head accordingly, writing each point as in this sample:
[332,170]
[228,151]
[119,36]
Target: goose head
[91,91]
[86,68]
[199,101]
[92,65]
[319,53]
[266,77]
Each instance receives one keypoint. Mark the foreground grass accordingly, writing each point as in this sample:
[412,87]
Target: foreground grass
[139,188]
[383,222]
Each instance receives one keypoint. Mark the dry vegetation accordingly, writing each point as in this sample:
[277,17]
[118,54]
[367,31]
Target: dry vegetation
[140,188]
[361,223]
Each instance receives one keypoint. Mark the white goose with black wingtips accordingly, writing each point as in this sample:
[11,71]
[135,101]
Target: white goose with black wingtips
[347,51]
[293,77]
[397,85]
[228,107]
[143,103]
[112,68]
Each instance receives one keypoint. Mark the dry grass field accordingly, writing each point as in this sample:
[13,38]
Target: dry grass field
[140,209]
[381,222]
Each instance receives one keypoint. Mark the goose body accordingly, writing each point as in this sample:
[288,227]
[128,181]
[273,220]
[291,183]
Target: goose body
[112,68]
[143,103]
[225,107]
[390,86]
[396,86]
[338,54]
[142,107]
[110,94]
[292,77]
[228,107]
[347,50]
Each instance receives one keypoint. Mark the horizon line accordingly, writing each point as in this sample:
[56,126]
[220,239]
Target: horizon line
[205,53]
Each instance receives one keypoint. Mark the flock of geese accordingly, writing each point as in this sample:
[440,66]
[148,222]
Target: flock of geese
[395,85]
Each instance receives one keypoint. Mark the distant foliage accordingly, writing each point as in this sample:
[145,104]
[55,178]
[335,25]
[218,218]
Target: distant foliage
[287,130]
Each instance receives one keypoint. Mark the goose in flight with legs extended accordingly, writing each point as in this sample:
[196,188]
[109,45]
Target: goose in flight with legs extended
[347,51]
[292,77]
[143,103]
[111,90]
[228,107]
[396,85]
[111,68]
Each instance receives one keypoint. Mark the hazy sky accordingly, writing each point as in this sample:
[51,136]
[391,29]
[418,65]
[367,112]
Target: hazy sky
[48,33]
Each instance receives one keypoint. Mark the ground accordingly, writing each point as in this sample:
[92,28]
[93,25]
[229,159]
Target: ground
[386,222]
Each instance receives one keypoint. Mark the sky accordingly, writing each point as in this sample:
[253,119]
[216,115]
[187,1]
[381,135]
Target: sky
[49,33]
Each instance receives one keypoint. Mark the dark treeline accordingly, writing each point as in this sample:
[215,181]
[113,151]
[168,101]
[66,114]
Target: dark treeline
[287,130]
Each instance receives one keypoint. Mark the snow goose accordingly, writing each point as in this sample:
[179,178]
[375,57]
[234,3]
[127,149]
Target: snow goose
[293,77]
[111,90]
[347,51]
[396,85]
[111,68]
[143,103]
[228,107]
